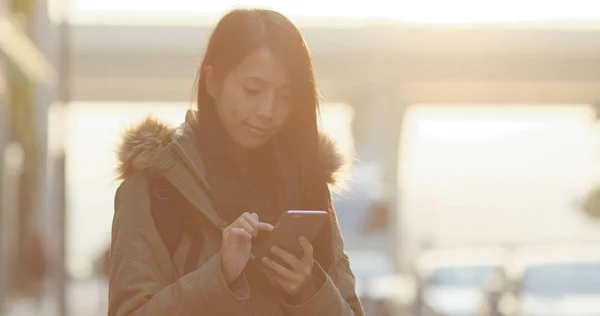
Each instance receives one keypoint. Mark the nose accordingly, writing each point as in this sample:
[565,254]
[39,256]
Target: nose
[266,108]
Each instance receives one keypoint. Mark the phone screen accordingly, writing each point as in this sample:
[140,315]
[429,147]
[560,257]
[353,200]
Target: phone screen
[292,225]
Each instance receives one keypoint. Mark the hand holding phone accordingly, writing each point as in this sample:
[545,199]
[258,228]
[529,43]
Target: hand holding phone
[291,226]
[287,255]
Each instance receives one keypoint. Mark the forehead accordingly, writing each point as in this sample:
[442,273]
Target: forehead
[262,65]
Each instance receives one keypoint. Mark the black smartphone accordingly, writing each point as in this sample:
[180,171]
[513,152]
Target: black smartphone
[289,228]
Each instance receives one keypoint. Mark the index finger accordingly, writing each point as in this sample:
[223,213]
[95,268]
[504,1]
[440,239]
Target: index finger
[265,226]
[253,220]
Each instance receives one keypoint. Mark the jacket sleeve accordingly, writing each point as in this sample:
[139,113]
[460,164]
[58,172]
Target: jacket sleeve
[337,295]
[141,272]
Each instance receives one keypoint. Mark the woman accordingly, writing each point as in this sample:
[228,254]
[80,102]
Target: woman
[250,151]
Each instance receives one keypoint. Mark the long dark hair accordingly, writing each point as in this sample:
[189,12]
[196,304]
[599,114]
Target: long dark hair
[291,160]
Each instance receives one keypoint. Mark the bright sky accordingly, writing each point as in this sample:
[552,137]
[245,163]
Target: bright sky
[428,11]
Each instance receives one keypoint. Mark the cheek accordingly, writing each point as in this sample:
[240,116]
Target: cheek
[283,115]
[232,106]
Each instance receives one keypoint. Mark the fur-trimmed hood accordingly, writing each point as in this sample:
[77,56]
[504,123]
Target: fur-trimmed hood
[142,143]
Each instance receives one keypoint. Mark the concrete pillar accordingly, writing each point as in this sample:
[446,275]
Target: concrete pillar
[4,129]
[62,63]
[43,34]
[377,129]
[3,194]
[4,120]
[49,220]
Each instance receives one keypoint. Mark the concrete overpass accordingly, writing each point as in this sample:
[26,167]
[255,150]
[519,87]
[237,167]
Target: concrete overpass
[158,62]
[378,70]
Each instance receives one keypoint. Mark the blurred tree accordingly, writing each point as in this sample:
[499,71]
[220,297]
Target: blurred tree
[591,204]
[23,130]
[22,9]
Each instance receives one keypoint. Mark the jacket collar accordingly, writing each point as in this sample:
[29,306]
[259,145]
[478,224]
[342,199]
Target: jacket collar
[173,152]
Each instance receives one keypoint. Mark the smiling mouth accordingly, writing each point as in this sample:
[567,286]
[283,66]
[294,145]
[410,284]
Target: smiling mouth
[258,130]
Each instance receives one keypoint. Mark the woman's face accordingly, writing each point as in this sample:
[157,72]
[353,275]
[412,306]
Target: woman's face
[253,101]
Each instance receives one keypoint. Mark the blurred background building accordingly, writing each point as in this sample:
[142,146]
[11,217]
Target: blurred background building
[27,79]
[473,124]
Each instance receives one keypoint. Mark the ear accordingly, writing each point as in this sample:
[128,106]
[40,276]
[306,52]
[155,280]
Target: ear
[212,86]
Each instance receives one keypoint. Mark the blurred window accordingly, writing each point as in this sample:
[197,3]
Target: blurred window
[562,279]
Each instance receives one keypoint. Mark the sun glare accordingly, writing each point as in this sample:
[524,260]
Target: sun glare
[423,11]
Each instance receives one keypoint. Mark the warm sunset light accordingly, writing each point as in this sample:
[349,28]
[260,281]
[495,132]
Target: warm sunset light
[424,11]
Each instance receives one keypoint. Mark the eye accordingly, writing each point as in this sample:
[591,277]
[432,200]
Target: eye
[251,92]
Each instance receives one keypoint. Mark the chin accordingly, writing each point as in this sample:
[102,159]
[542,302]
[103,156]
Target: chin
[251,144]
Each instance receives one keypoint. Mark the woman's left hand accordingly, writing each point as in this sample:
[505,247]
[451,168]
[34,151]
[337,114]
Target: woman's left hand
[299,281]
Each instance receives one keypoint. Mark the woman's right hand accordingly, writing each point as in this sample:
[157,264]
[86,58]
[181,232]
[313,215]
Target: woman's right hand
[237,244]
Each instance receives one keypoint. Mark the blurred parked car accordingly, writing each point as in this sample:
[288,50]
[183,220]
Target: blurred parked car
[557,280]
[453,279]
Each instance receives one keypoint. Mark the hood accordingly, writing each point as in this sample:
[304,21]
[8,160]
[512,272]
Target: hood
[142,142]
